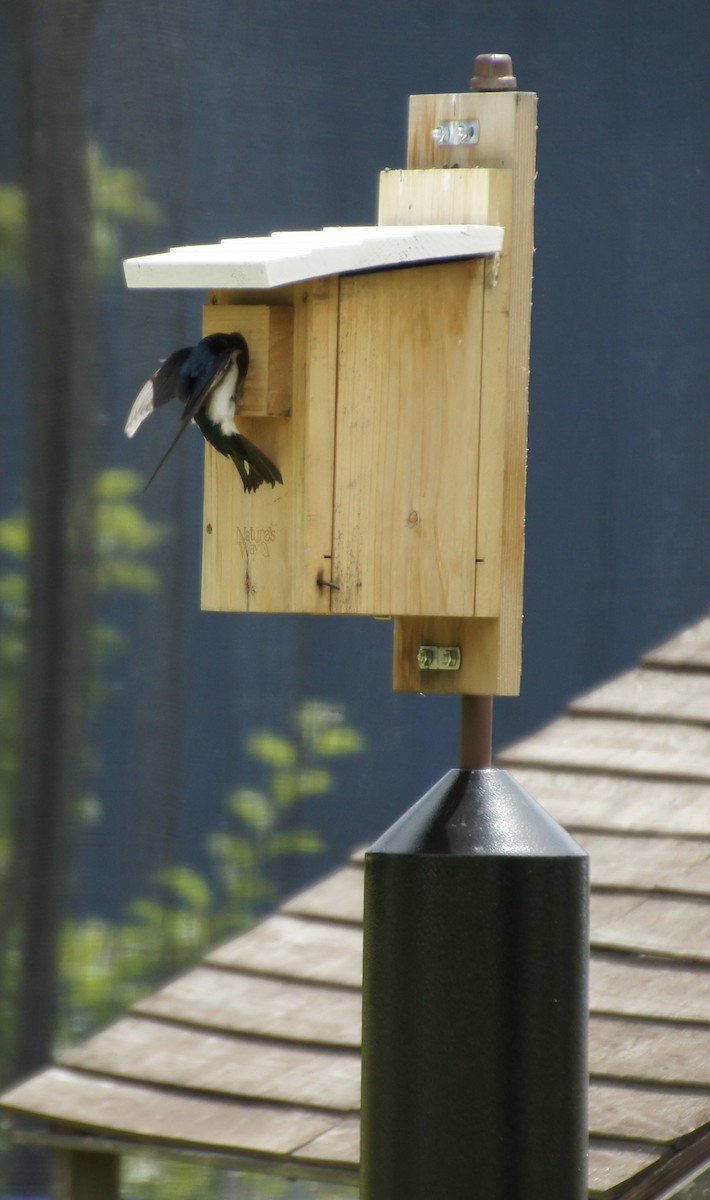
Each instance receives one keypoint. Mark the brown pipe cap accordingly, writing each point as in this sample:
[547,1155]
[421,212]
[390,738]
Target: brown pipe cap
[493,73]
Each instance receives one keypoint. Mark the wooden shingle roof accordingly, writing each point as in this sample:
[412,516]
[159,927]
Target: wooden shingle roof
[252,1058]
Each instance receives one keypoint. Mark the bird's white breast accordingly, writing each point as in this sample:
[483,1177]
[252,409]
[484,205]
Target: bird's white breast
[221,403]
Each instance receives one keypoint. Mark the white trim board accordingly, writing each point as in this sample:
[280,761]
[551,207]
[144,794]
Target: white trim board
[265,262]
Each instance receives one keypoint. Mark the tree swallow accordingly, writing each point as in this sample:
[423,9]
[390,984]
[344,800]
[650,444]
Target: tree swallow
[208,379]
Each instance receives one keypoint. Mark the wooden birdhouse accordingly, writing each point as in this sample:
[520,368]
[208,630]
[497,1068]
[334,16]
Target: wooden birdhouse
[388,381]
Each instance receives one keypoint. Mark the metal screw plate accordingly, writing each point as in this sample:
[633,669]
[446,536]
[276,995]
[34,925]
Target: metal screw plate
[456,133]
[439,658]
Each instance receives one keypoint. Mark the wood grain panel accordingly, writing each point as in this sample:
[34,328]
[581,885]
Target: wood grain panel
[617,802]
[239,1003]
[650,1051]
[293,948]
[406,475]
[651,924]
[646,692]
[340,1144]
[633,986]
[612,1163]
[96,1102]
[689,649]
[655,864]
[632,747]
[483,195]
[264,551]
[338,897]
[158,1052]
[646,1113]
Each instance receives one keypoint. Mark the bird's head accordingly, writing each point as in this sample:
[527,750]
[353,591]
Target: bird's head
[219,343]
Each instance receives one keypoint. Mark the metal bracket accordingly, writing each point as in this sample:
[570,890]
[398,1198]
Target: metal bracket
[457,133]
[439,658]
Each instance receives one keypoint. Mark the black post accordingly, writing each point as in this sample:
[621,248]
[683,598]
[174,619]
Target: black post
[475,1000]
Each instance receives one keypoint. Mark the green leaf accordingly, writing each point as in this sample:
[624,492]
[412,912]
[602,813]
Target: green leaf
[253,808]
[187,885]
[338,740]
[271,749]
[253,890]
[313,715]
[290,786]
[295,841]
[89,811]
[15,535]
[284,786]
[13,590]
[117,483]
[13,214]
[313,781]
[107,640]
[117,191]
[127,575]
[239,852]
[122,526]
[146,911]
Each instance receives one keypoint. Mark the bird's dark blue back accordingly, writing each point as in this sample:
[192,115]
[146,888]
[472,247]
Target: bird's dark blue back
[198,370]
[206,360]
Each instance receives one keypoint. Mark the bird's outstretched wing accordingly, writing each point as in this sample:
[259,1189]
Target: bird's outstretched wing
[202,382]
[161,388]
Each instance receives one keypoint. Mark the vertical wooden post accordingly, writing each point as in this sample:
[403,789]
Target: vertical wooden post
[85,1175]
[490,639]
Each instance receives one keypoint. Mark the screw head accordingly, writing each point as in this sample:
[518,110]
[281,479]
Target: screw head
[425,657]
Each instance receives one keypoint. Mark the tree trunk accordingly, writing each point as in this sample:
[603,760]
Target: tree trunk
[61,406]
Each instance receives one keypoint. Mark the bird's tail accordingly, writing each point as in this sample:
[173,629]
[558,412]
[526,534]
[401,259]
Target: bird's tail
[253,465]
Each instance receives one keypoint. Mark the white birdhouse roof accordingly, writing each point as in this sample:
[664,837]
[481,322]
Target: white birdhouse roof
[265,262]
